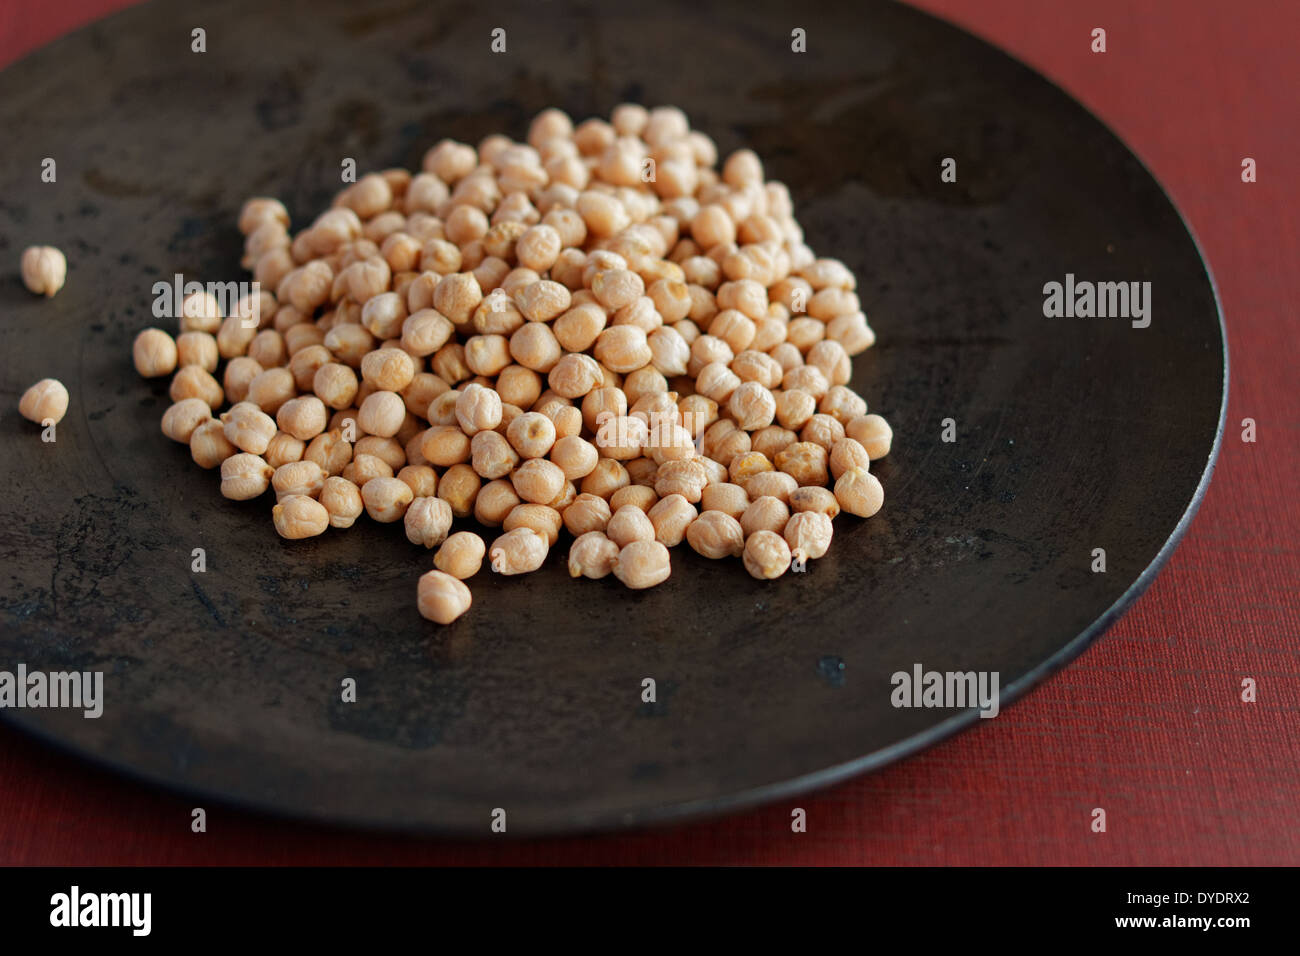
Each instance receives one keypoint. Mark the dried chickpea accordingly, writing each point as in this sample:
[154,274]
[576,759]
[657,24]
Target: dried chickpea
[342,499]
[629,523]
[298,478]
[154,353]
[240,372]
[518,551]
[421,479]
[639,496]
[386,499]
[491,455]
[335,385]
[270,389]
[382,414]
[848,453]
[532,434]
[686,478]
[365,468]
[494,503]
[330,451]
[297,516]
[842,404]
[859,492]
[671,518]
[588,512]
[441,598]
[774,484]
[538,480]
[478,409]
[766,555]
[592,555]
[642,564]
[193,381]
[208,445]
[44,269]
[459,486]
[181,419]
[715,534]
[728,498]
[388,369]
[427,521]
[765,513]
[811,498]
[808,533]
[304,418]
[575,456]
[248,428]
[47,401]
[543,519]
[461,555]
[805,462]
[245,476]
[873,433]
[825,430]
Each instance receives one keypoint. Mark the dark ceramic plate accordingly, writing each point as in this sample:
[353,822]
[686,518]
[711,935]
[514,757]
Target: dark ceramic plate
[1072,434]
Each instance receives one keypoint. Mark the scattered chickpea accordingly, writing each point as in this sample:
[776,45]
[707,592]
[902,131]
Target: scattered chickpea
[715,534]
[629,523]
[461,555]
[44,269]
[808,533]
[592,555]
[428,520]
[181,419]
[342,499]
[873,433]
[518,551]
[859,492]
[441,598]
[766,555]
[245,476]
[46,401]
[154,353]
[671,517]
[386,499]
[642,564]
[298,516]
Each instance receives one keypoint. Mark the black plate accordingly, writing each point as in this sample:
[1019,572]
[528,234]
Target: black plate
[1072,433]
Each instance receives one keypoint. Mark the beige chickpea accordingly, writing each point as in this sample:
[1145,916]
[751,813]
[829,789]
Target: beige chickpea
[298,478]
[461,555]
[342,500]
[747,464]
[519,386]
[842,404]
[824,430]
[304,418]
[607,477]
[297,516]
[386,499]
[772,440]
[44,269]
[154,353]
[638,496]
[239,374]
[730,499]
[200,312]
[248,428]
[773,484]
[441,598]
[766,555]
[388,369]
[349,342]
[642,564]
[335,385]
[575,375]
[491,455]
[629,523]
[389,449]
[283,449]
[47,401]
[848,453]
[245,476]
[808,533]
[494,502]
[457,296]
[382,414]
[364,468]
[543,300]
[538,480]
[576,456]
[193,381]
[421,479]
[518,552]
[672,517]
[427,521]
[765,513]
[578,328]
[686,478]
[592,555]
[752,405]
[852,332]
[198,348]
[715,535]
[545,520]
[382,316]
[623,348]
[330,451]
[794,407]
[478,409]
[446,445]
[859,492]
[532,435]
[487,354]
[208,445]
[832,358]
[812,498]
[873,433]
[181,419]
[588,512]
[270,389]
[459,487]
[805,462]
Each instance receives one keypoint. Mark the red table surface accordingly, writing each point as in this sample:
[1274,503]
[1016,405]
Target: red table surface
[1148,723]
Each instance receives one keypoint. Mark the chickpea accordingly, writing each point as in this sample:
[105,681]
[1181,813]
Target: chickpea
[245,476]
[805,462]
[494,503]
[193,381]
[825,430]
[538,480]
[364,468]
[181,419]
[491,455]
[248,428]
[794,407]
[671,517]
[342,499]
[686,478]
[842,404]
[765,513]
[623,348]
[532,435]
[330,451]
[427,521]
[441,598]
[629,523]
[459,486]
[873,433]
[382,414]
[588,512]
[208,446]
[298,478]
[592,555]
[44,270]
[335,385]
[638,496]
[386,499]
[728,498]
[543,519]
[772,440]
[239,374]
[297,516]
[154,353]
[575,456]
[715,534]
[461,555]
[304,418]
[766,555]
[388,369]
[457,296]
[808,533]
[271,389]
[859,492]
[773,484]
[848,453]
[478,409]
[543,300]
[518,551]
[47,401]
[642,564]
[814,499]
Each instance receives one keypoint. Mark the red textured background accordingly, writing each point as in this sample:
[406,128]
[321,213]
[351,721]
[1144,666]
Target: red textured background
[1148,723]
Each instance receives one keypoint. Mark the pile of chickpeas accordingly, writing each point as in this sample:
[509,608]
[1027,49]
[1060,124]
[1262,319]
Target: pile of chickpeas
[595,332]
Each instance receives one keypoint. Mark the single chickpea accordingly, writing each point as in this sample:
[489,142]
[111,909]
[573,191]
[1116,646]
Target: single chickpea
[873,433]
[629,523]
[208,446]
[386,499]
[592,555]
[588,512]
[297,516]
[686,478]
[154,353]
[576,457]
[46,401]
[812,498]
[538,480]
[389,449]
[365,468]
[248,428]
[181,419]
[342,499]
[193,381]
[239,374]
[808,533]
[441,598]
[842,404]
[543,519]
[304,418]
[459,486]
[518,551]
[825,430]
[335,385]
[461,555]
[44,270]
[773,484]
[382,414]
[478,409]
[765,513]
[578,328]
[270,389]
[642,564]
[772,440]
[715,535]
[637,496]
[848,453]
[728,498]
[198,348]
[298,478]
[388,369]
[245,476]
[494,502]
[421,479]
[752,405]
[805,462]
[608,476]
[794,407]
[859,492]
[532,435]
[330,451]
[457,296]
[491,455]
[672,518]
[623,348]
[766,555]
[427,521]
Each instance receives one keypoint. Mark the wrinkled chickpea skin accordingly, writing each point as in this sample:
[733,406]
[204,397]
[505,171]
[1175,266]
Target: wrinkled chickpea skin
[532,335]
